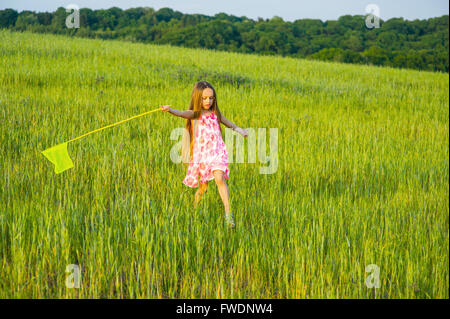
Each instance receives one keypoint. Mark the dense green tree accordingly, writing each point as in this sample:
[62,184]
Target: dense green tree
[376,55]
[88,19]
[26,20]
[8,18]
[59,20]
[167,14]
[44,18]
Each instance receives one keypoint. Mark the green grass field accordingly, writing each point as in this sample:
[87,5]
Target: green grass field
[363,176]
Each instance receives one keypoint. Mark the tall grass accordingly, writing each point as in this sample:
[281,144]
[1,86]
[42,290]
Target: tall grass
[362,178]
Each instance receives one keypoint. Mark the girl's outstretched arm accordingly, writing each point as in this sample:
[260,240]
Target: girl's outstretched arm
[188,114]
[233,126]
[228,123]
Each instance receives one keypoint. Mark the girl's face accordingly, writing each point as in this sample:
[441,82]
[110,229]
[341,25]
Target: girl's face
[208,98]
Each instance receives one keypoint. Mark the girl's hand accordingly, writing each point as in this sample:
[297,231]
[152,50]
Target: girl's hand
[165,108]
[241,131]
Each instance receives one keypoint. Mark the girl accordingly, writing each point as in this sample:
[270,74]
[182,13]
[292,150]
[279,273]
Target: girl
[203,144]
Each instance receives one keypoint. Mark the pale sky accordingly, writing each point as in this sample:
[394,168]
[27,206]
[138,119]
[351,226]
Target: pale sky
[289,10]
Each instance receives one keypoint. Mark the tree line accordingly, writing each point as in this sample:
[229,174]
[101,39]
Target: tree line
[418,44]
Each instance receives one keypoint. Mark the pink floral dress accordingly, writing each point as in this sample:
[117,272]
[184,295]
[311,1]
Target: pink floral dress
[209,152]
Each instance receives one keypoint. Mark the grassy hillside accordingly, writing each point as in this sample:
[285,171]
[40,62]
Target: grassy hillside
[363,176]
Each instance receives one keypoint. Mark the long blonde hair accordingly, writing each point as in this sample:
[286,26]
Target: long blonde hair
[196,106]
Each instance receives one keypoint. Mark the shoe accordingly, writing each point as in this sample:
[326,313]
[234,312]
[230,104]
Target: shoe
[229,222]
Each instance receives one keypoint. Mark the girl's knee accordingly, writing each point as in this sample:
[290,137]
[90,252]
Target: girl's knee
[219,177]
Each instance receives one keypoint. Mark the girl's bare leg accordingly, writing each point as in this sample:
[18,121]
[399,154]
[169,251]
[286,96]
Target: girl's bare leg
[200,191]
[224,194]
